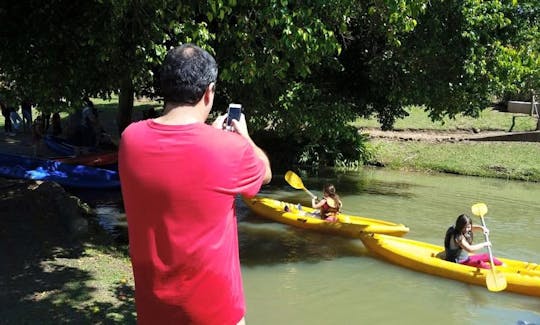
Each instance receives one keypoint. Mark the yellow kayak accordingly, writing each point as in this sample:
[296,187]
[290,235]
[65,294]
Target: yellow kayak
[305,217]
[521,277]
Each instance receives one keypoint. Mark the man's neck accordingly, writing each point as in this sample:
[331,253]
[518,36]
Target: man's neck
[182,114]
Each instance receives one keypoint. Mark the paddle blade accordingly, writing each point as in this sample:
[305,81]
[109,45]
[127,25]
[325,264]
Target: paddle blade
[294,180]
[479,209]
[495,281]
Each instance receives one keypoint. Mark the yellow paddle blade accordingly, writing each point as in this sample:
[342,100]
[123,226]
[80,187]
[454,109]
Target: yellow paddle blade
[479,209]
[294,180]
[495,281]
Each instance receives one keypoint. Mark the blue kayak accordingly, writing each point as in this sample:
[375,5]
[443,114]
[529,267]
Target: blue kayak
[65,148]
[74,176]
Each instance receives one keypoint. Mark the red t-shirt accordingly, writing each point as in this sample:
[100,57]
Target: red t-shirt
[178,185]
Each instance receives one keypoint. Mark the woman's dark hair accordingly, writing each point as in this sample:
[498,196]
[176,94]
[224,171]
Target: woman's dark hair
[461,222]
[331,191]
[186,73]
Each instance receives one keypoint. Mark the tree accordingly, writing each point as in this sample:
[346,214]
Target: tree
[451,56]
[265,50]
[302,70]
[64,50]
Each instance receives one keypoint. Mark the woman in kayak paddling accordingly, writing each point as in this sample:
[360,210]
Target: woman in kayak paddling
[330,205]
[458,244]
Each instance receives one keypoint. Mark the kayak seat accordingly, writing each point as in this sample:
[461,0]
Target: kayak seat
[441,255]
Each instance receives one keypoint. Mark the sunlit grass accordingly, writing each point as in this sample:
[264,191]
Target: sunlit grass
[512,160]
[489,120]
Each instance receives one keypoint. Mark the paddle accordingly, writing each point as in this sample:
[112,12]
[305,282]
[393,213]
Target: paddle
[296,182]
[495,281]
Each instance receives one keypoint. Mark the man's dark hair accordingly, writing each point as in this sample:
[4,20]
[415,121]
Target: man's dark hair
[186,73]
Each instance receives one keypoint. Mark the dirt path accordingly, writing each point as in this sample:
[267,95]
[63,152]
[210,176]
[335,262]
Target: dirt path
[431,135]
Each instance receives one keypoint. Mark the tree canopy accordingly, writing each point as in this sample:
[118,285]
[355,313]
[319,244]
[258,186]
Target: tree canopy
[302,70]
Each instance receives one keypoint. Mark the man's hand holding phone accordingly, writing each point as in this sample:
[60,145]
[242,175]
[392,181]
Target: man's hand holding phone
[234,113]
[233,121]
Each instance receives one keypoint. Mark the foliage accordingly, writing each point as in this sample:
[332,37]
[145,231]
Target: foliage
[451,56]
[63,50]
[315,126]
[312,67]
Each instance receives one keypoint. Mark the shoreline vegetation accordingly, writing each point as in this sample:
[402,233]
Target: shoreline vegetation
[419,144]
[442,146]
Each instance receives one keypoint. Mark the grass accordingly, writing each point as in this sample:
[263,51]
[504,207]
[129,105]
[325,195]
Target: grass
[510,160]
[489,120]
[107,112]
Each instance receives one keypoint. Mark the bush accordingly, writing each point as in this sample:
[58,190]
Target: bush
[343,147]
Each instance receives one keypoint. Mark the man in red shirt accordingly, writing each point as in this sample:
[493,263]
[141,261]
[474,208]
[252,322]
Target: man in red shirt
[179,179]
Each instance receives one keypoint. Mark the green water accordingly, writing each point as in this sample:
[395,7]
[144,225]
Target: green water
[298,277]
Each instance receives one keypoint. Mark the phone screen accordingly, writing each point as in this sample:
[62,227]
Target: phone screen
[234,112]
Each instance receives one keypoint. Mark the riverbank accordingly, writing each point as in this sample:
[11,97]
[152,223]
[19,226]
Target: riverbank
[482,146]
[494,154]
[58,265]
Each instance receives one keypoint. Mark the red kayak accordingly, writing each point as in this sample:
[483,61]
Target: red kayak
[103,160]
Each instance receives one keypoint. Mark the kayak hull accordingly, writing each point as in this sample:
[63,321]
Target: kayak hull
[521,277]
[348,225]
[73,176]
[63,147]
[107,160]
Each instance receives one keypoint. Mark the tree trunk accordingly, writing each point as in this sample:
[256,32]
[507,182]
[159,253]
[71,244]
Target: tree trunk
[125,105]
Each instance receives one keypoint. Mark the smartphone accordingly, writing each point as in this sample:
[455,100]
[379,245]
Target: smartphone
[233,113]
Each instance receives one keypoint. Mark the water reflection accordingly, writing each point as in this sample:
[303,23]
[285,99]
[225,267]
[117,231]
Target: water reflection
[109,210]
[267,243]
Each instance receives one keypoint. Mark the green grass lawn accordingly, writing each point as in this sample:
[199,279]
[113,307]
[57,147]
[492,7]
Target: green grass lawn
[489,120]
[510,160]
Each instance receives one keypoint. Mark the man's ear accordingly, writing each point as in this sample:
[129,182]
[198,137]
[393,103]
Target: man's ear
[209,93]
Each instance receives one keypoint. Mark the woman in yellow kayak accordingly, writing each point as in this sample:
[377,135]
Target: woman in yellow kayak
[458,244]
[330,205]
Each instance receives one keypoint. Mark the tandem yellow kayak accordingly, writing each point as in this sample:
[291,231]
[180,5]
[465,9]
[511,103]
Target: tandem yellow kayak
[305,217]
[521,277]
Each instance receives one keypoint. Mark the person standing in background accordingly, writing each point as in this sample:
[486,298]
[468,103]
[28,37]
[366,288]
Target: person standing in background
[179,178]
[37,135]
[90,124]
[56,124]
[16,120]
[6,113]
[26,111]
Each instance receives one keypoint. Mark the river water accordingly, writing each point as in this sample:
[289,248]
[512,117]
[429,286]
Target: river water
[294,276]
